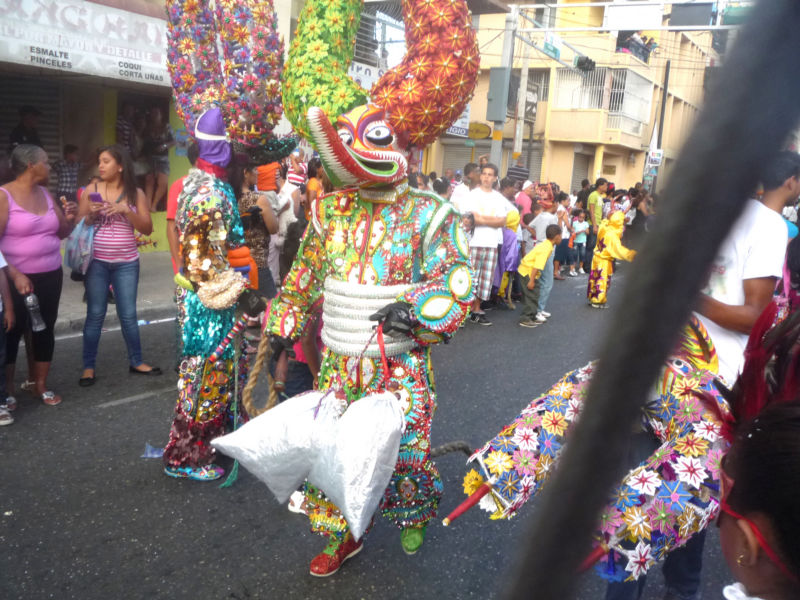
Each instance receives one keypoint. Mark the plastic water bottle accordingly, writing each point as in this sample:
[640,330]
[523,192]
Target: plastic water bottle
[32,304]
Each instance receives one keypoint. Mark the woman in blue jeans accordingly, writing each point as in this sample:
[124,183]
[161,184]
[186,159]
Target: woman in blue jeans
[117,208]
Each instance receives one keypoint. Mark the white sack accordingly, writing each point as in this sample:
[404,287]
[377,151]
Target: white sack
[355,464]
[280,446]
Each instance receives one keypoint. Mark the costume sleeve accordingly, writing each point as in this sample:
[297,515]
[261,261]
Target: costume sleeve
[673,494]
[441,302]
[512,219]
[301,293]
[616,250]
[661,503]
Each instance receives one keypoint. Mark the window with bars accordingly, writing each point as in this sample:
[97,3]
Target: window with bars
[625,94]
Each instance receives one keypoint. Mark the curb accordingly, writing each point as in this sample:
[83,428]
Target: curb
[67,325]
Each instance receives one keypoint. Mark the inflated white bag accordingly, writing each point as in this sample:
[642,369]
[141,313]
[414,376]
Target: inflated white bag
[355,464]
[280,446]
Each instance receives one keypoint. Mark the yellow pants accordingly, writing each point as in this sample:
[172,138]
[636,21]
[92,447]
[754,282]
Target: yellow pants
[599,280]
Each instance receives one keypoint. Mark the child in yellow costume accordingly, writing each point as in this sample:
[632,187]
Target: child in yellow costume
[609,247]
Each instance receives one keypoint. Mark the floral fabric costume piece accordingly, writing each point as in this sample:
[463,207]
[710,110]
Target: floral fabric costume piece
[662,502]
[374,243]
[225,61]
[609,247]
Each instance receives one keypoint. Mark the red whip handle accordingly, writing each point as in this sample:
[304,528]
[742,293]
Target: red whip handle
[471,501]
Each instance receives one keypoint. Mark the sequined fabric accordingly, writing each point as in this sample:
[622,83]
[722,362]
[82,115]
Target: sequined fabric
[208,225]
[417,240]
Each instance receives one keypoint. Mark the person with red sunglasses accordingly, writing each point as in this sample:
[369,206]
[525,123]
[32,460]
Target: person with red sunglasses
[759,519]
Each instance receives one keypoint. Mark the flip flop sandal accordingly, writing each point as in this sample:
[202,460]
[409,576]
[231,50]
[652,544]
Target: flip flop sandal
[207,473]
[11,403]
[5,417]
[27,386]
[50,398]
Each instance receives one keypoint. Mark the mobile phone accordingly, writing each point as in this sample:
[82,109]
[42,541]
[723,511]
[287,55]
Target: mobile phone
[96,197]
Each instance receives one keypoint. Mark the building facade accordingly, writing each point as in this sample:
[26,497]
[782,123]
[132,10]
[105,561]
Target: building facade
[597,123]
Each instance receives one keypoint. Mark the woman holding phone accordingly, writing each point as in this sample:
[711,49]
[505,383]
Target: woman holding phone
[117,207]
[31,230]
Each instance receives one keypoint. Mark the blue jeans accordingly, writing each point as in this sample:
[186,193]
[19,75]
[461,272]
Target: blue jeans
[299,379]
[682,566]
[546,281]
[591,240]
[124,278]
[578,254]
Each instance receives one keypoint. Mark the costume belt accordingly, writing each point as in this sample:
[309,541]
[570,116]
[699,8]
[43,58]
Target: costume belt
[346,309]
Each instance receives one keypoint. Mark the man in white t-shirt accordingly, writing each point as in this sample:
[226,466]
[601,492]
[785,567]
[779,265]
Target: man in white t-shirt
[471,180]
[748,264]
[489,208]
[740,286]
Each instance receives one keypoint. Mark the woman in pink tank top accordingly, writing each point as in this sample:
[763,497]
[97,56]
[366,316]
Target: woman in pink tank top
[116,207]
[31,230]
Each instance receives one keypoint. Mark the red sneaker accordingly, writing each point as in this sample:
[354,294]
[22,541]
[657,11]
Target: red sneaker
[329,561]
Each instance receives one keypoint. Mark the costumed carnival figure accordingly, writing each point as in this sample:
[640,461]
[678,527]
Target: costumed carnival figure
[673,494]
[376,246]
[608,248]
[228,103]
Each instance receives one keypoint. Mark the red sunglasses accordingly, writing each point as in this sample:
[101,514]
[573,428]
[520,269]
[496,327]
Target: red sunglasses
[725,486]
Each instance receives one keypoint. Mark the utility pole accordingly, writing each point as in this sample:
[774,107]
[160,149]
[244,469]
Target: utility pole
[664,95]
[496,153]
[522,98]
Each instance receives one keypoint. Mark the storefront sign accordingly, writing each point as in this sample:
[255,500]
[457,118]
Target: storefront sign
[461,127]
[654,157]
[479,131]
[83,37]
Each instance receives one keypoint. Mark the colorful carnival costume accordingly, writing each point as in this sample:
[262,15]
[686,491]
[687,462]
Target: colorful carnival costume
[375,245]
[662,502]
[608,248]
[229,101]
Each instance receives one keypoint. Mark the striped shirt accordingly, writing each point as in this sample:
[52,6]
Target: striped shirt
[114,240]
[297,177]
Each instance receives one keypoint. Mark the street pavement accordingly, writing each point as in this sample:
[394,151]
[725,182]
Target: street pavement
[83,516]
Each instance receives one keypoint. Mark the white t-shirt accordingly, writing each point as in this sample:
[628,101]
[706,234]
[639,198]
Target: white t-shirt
[488,204]
[540,223]
[459,197]
[754,248]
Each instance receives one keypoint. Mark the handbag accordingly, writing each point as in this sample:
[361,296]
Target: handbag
[78,250]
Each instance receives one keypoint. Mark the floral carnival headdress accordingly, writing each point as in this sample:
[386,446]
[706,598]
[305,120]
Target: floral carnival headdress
[422,96]
[244,82]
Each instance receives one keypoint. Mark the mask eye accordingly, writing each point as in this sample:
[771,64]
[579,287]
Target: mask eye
[346,137]
[379,133]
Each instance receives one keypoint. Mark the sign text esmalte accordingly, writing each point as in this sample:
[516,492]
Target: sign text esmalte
[84,37]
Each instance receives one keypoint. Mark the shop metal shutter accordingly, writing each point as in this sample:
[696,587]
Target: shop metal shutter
[580,171]
[457,155]
[44,95]
[536,160]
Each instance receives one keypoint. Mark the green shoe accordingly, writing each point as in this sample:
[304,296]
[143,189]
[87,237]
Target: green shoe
[411,539]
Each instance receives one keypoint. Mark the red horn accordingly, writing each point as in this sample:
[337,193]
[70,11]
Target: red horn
[430,88]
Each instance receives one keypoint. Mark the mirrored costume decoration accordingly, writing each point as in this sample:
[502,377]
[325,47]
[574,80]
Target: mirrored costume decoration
[376,243]
[225,62]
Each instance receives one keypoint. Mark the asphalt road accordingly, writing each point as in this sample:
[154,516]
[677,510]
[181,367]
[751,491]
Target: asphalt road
[83,516]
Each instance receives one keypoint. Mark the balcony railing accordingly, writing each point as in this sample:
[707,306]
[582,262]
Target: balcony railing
[624,124]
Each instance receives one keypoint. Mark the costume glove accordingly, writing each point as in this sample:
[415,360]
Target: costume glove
[396,318]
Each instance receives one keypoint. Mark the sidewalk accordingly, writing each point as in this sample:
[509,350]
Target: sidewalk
[155,299]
